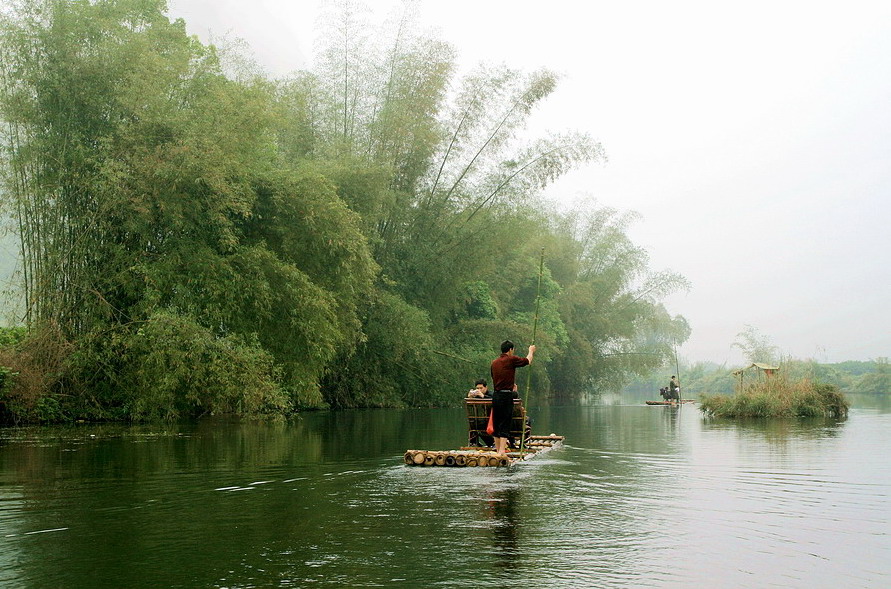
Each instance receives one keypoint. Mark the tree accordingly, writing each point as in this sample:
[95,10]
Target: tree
[617,327]
[361,234]
[755,346]
[145,185]
[878,381]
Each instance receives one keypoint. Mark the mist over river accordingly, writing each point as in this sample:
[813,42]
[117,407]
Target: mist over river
[639,496]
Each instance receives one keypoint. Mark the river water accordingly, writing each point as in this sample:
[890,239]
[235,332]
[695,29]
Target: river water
[638,497]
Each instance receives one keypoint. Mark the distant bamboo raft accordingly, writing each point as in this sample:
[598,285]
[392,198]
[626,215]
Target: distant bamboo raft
[478,457]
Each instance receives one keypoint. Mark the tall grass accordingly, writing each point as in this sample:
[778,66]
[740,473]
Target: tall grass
[779,397]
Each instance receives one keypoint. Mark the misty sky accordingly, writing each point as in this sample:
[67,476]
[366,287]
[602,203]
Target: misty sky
[754,138]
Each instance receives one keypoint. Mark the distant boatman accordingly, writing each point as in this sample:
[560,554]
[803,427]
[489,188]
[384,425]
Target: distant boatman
[504,382]
[674,389]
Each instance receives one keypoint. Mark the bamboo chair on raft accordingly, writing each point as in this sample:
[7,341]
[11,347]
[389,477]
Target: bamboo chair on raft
[478,419]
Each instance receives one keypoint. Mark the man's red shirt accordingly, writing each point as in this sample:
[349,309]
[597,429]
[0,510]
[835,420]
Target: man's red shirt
[503,371]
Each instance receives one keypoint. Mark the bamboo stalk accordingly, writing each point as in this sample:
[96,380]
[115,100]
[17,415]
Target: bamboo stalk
[534,332]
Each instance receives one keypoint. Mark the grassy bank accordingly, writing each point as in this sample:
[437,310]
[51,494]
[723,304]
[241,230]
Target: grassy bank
[779,397]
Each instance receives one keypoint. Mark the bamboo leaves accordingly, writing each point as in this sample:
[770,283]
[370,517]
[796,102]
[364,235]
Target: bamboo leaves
[144,184]
[181,217]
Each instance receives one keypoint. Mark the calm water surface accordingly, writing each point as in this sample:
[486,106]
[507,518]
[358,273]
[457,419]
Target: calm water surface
[639,497]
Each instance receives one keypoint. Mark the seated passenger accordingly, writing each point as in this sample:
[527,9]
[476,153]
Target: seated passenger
[478,436]
[480,390]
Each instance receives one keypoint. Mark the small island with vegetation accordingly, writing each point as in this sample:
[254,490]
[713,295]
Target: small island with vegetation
[779,397]
[770,390]
[772,384]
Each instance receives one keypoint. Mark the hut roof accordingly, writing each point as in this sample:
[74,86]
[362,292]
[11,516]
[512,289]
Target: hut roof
[760,365]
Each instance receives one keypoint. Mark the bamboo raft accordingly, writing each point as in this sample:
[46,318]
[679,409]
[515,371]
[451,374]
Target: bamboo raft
[476,453]
[670,402]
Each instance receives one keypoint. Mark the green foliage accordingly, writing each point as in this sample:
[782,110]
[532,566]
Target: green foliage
[478,301]
[779,397]
[33,370]
[12,336]
[610,301]
[364,234]
[166,196]
[170,367]
[396,365]
[877,381]
[49,410]
[7,376]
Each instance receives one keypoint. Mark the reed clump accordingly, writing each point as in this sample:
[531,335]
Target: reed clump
[31,366]
[779,397]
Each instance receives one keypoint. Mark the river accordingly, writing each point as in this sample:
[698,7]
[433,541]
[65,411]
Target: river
[638,497]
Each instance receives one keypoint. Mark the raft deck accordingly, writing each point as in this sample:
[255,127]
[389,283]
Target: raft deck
[479,451]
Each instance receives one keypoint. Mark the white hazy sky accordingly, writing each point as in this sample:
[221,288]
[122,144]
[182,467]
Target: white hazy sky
[754,138]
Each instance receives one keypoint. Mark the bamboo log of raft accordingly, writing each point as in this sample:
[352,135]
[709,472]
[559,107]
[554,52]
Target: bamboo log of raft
[480,457]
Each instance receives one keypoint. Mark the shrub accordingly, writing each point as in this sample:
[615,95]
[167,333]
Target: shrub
[778,397]
[12,336]
[170,367]
[32,369]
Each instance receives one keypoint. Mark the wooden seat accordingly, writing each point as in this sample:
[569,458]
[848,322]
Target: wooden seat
[478,419]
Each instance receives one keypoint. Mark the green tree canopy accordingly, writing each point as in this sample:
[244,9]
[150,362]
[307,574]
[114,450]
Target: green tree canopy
[361,234]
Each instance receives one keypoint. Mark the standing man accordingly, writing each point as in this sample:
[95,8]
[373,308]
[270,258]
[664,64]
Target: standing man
[503,381]
[674,389]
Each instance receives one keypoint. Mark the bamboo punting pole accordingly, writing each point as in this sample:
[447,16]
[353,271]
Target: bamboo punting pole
[534,330]
[677,368]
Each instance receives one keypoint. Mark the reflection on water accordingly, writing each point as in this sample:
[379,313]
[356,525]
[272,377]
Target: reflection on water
[639,497]
[501,509]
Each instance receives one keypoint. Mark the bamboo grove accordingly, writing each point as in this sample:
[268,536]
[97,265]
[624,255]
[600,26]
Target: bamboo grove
[197,237]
